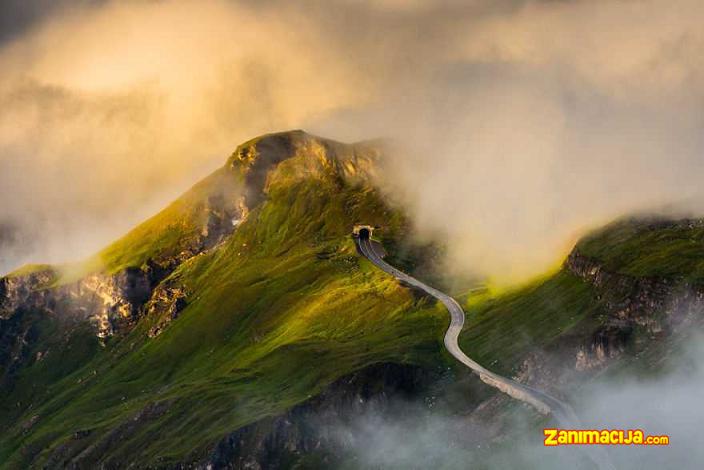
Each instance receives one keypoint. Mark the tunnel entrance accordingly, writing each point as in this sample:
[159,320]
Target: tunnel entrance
[362,231]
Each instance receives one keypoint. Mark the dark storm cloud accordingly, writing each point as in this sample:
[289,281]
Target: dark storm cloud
[16,16]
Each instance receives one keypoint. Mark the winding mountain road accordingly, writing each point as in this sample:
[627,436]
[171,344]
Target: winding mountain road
[561,412]
[542,402]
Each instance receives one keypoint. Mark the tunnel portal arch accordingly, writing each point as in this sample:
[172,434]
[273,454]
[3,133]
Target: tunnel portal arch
[363,231]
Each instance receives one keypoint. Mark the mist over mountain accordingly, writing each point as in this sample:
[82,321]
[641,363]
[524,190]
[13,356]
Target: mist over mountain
[535,121]
[245,313]
[491,225]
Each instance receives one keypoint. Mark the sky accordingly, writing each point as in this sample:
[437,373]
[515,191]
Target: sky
[517,126]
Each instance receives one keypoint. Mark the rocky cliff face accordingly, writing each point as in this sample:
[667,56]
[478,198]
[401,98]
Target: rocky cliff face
[313,426]
[313,157]
[110,302]
[113,303]
[637,308]
[165,305]
[23,291]
[15,332]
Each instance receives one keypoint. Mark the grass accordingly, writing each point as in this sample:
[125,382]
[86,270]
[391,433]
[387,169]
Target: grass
[276,313]
[170,232]
[500,331]
[29,269]
[270,323]
[643,248]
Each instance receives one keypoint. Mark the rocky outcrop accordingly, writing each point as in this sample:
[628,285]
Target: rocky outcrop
[114,302]
[652,306]
[313,426]
[315,157]
[110,302]
[16,336]
[24,291]
[167,302]
[222,217]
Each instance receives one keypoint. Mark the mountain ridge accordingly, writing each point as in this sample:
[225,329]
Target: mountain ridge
[300,232]
[244,304]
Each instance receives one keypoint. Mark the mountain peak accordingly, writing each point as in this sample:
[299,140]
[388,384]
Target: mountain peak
[268,148]
[309,156]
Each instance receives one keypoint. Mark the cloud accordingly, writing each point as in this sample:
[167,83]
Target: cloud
[110,111]
[524,127]
[16,16]
[666,404]
[519,124]
[403,435]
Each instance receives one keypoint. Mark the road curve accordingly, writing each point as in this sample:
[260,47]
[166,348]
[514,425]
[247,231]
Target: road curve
[561,412]
[541,401]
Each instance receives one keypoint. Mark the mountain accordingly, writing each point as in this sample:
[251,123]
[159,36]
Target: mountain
[239,326]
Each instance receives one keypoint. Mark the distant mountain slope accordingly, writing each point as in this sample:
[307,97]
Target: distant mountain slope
[630,286]
[221,329]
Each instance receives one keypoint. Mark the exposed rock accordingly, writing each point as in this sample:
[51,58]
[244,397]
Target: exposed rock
[18,332]
[16,336]
[315,157]
[219,223]
[166,304]
[30,422]
[112,302]
[606,344]
[18,291]
[313,425]
[255,159]
[655,306]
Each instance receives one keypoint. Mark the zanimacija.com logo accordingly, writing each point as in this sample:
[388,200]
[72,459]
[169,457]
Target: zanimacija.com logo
[626,437]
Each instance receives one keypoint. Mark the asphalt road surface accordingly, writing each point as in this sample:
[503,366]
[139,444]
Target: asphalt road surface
[561,412]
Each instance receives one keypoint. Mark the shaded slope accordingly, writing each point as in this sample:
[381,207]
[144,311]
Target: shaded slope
[625,290]
[276,312]
[243,326]
[649,247]
[501,331]
[187,226]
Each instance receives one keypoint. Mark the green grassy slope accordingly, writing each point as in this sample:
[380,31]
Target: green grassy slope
[172,230]
[654,247]
[279,311]
[275,313]
[500,331]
